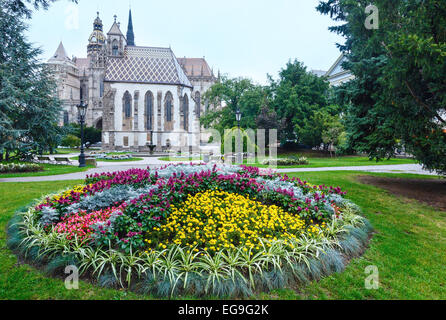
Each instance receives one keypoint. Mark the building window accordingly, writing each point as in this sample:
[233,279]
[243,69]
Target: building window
[168,107]
[83,93]
[185,113]
[198,104]
[115,48]
[66,118]
[127,104]
[101,87]
[149,110]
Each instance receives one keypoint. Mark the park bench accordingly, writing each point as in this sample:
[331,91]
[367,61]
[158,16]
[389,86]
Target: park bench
[44,159]
[62,160]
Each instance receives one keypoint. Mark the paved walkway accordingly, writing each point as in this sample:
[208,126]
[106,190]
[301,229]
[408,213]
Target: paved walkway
[155,163]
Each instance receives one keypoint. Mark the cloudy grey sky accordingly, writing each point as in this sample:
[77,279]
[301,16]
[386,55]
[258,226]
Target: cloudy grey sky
[248,38]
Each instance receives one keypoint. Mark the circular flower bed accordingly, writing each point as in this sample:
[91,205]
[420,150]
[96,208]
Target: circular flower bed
[193,229]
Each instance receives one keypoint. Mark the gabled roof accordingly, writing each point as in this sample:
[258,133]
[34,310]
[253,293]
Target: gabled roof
[115,30]
[337,74]
[196,67]
[337,66]
[146,65]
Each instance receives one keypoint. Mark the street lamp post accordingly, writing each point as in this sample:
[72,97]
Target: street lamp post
[239,147]
[82,109]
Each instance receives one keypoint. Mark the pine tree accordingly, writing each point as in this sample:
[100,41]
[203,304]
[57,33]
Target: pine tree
[29,108]
[399,94]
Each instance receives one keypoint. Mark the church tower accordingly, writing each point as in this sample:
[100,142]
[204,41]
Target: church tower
[96,44]
[130,34]
[116,41]
[92,83]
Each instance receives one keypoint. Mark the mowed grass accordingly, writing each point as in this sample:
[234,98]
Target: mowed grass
[348,161]
[408,249]
[49,170]
[316,162]
[23,281]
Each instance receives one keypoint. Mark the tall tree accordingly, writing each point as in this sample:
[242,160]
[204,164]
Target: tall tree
[233,94]
[298,95]
[29,108]
[399,91]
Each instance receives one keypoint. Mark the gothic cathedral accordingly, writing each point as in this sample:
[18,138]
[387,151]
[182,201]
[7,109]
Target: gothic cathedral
[136,95]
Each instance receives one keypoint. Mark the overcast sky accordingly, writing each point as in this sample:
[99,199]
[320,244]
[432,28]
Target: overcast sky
[248,38]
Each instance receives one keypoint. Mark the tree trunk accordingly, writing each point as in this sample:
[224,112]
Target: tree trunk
[7,156]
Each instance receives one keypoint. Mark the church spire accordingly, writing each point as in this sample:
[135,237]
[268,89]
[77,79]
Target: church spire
[130,34]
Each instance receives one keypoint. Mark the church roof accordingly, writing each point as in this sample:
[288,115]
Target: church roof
[196,67]
[83,64]
[146,65]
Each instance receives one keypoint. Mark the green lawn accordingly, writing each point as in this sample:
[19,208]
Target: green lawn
[50,170]
[408,249]
[342,162]
[67,151]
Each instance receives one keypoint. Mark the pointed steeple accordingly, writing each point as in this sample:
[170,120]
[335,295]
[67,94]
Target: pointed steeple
[130,34]
[60,54]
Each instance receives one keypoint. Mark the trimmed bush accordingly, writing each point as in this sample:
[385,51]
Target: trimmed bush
[20,167]
[292,161]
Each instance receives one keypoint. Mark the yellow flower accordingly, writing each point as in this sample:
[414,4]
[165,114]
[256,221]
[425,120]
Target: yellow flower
[213,220]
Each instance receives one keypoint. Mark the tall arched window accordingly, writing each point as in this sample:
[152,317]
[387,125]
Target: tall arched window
[168,107]
[66,118]
[149,110]
[185,113]
[127,104]
[101,87]
[115,48]
[83,93]
[198,104]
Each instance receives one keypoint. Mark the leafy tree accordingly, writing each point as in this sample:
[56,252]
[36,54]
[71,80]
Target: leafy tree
[298,96]
[233,94]
[71,141]
[91,134]
[333,133]
[399,93]
[29,110]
